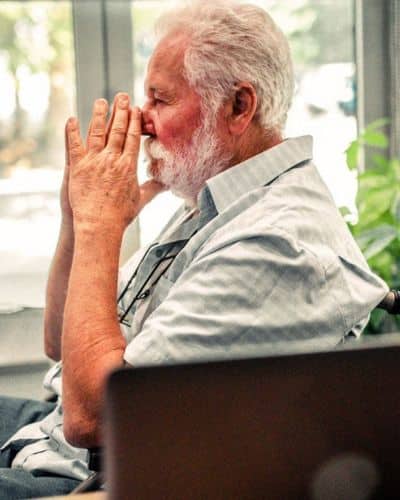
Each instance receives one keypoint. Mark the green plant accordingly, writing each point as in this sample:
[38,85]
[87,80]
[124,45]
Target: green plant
[377,230]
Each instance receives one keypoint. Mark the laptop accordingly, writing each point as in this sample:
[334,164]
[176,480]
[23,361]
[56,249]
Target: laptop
[322,425]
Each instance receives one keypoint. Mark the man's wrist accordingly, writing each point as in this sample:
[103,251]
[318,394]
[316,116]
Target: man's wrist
[66,237]
[96,229]
[67,221]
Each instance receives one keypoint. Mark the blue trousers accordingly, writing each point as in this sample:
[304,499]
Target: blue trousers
[16,484]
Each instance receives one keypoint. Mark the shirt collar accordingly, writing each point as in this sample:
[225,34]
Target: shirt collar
[228,186]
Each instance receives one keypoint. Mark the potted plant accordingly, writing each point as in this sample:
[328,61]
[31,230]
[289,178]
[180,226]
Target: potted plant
[377,229]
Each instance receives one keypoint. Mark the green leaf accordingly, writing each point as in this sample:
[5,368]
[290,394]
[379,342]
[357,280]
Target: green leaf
[377,246]
[378,202]
[376,139]
[383,263]
[379,123]
[373,172]
[374,204]
[376,233]
[345,211]
[369,180]
[394,163]
[380,162]
[352,155]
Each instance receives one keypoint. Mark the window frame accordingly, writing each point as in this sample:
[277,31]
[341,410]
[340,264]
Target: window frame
[378,79]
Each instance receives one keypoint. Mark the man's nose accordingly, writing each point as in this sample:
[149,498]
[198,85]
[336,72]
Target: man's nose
[147,123]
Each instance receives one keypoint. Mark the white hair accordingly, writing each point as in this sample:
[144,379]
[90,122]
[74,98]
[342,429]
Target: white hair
[229,42]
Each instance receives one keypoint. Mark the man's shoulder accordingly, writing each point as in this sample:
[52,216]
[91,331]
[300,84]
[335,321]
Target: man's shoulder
[297,199]
[296,210]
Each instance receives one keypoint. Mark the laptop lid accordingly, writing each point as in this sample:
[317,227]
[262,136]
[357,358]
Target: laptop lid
[319,425]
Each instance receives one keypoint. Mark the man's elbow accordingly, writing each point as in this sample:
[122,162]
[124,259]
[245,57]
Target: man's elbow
[52,347]
[81,432]
[53,352]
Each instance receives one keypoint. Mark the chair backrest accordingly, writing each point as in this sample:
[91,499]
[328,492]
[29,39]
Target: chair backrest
[278,427]
[391,302]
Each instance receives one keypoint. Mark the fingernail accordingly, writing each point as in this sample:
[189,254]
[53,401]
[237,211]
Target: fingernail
[72,122]
[101,103]
[123,101]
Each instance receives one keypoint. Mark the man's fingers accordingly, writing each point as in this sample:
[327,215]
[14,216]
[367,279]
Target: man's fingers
[96,137]
[149,190]
[119,125]
[75,148]
[132,141]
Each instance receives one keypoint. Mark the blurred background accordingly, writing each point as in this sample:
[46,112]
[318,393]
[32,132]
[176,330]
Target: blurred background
[56,57]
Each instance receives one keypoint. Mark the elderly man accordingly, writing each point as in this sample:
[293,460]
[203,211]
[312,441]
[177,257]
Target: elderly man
[258,258]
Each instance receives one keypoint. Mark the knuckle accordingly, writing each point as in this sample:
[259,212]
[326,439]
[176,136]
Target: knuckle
[75,148]
[118,129]
[97,132]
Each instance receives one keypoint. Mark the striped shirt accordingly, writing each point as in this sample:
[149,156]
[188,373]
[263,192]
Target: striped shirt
[264,264]
[273,268]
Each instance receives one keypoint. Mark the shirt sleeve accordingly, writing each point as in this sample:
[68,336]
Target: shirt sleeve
[257,296]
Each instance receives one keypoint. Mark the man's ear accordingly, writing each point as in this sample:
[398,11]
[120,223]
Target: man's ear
[241,108]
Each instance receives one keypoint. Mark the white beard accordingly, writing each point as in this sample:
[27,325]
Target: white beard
[186,170]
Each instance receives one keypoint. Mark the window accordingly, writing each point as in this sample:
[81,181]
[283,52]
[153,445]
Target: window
[144,14]
[38,93]
[324,104]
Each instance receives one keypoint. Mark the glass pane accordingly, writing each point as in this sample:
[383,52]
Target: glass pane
[321,36]
[38,93]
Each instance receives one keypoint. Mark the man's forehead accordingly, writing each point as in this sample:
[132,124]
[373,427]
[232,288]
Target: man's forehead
[165,67]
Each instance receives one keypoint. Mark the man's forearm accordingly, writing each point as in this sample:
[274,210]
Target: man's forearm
[92,343]
[105,197]
[56,292]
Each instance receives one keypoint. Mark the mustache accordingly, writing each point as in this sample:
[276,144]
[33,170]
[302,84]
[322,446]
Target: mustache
[154,149]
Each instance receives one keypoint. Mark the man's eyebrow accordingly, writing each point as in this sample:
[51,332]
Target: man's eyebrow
[158,91]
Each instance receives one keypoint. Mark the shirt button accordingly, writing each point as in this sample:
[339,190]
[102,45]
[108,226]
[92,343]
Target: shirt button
[159,253]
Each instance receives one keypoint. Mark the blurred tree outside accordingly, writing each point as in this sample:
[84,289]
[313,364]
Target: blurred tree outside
[312,25]
[36,58]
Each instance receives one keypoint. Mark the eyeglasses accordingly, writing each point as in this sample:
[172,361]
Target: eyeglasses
[144,291]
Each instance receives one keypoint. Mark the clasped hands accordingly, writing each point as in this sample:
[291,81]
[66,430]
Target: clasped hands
[100,186]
